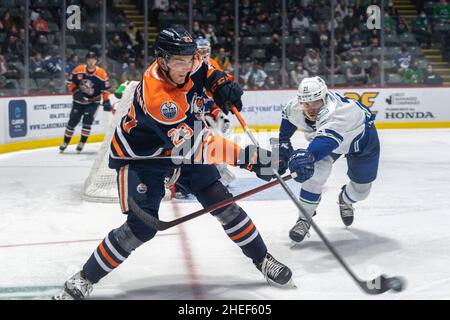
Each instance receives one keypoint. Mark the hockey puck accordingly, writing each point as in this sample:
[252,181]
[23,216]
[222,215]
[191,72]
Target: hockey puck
[396,283]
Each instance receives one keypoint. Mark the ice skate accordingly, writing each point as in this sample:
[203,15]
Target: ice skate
[346,210]
[75,288]
[275,272]
[63,147]
[80,147]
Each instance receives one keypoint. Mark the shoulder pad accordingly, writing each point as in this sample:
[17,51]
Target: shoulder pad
[164,104]
[79,69]
[101,74]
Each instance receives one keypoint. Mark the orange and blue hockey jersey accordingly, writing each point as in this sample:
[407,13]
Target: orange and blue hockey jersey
[94,85]
[165,122]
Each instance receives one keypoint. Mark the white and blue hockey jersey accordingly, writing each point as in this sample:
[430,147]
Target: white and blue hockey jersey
[340,127]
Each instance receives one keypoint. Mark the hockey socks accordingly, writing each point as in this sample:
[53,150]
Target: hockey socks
[108,256]
[244,233]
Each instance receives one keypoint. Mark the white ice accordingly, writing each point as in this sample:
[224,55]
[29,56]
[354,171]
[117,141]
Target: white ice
[47,231]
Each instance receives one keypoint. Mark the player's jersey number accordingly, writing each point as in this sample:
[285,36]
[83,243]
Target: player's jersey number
[180,134]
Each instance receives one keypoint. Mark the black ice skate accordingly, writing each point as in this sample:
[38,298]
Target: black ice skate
[80,147]
[346,210]
[275,272]
[300,230]
[63,147]
[76,288]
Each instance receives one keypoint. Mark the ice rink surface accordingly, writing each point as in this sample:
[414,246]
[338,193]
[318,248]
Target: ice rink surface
[47,231]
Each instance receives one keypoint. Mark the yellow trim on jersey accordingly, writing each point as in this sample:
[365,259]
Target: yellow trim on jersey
[35,144]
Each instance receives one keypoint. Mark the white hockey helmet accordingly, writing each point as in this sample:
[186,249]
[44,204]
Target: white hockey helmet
[204,48]
[312,89]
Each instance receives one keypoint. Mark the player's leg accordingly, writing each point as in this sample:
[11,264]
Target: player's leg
[203,180]
[75,116]
[310,195]
[88,120]
[146,186]
[362,171]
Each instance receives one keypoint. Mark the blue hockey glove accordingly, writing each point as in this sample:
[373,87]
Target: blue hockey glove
[302,163]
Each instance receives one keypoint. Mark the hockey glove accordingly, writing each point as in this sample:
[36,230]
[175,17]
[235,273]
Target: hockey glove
[225,92]
[257,160]
[302,163]
[107,106]
[283,148]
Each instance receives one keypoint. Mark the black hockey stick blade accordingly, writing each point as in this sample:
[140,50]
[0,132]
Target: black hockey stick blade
[146,217]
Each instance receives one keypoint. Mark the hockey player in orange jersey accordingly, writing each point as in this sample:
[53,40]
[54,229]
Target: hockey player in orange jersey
[163,134]
[89,84]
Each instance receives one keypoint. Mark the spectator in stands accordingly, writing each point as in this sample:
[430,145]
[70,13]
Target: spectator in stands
[431,78]
[403,60]
[244,30]
[6,22]
[322,12]
[36,63]
[295,51]
[390,24]
[343,46]
[355,74]
[351,20]
[413,75]
[273,50]
[73,61]
[90,37]
[334,22]
[40,25]
[402,26]
[324,37]
[441,12]
[311,62]
[255,77]
[210,34]
[297,75]
[53,63]
[245,8]
[131,73]
[41,45]
[12,48]
[270,83]
[374,73]
[223,61]
[131,34]
[159,6]
[3,65]
[421,28]
[196,30]
[5,85]
[325,66]
[342,8]
[116,47]
[299,23]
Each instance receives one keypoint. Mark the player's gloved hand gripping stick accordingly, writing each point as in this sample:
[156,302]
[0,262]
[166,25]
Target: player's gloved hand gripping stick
[378,285]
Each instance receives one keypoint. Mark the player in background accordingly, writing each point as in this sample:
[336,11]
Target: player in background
[334,125]
[89,85]
[164,117]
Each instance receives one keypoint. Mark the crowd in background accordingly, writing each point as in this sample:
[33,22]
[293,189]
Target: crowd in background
[308,41]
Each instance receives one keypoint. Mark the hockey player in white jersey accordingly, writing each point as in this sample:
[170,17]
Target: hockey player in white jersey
[334,125]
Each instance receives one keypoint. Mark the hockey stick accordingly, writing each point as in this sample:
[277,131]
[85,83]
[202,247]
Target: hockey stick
[160,225]
[378,285]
